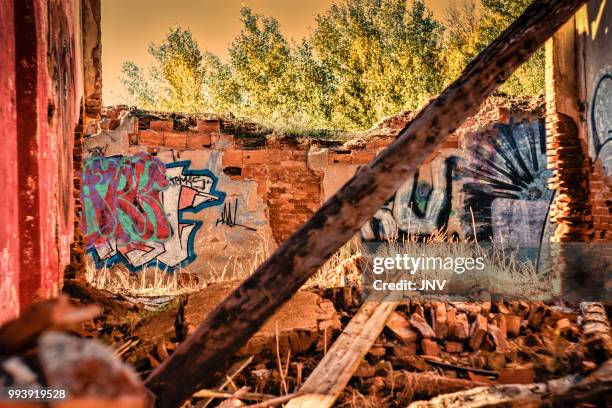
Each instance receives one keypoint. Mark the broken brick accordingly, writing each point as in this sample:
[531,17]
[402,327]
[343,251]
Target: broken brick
[438,318]
[208,125]
[453,347]
[162,125]
[430,348]
[462,328]
[478,330]
[418,322]
[513,325]
[400,328]
[498,339]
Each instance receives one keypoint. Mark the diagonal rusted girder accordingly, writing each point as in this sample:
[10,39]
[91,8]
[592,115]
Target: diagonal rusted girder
[245,310]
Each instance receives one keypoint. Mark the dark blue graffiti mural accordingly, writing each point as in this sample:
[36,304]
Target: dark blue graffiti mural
[418,207]
[497,186]
[508,195]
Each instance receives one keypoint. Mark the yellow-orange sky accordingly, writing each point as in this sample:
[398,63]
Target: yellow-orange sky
[128,26]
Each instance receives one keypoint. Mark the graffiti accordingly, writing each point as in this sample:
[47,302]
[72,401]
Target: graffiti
[230,215]
[418,207]
[508,196]
[121,199]
[498,188]
[601,123]
[135,207]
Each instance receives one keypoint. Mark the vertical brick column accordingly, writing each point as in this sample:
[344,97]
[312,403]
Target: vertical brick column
[566,149]
[294,192]
[77,252]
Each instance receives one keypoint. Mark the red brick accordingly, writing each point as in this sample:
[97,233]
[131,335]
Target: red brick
[162,125]
[362,157]
[209,125]
[198,141]
[338,158]
[513,325]
[232,158]
[399,326]
[478,331]
[254,156]
[299,154]
[438,318]
[175,140]
[453,347]
[150,138]
[430,348]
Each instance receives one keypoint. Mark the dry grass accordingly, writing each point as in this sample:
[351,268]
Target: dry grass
[149,282]
[503,273]
[239,268]
[342,269]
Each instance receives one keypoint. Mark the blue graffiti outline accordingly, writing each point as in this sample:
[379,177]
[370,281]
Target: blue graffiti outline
[191,255]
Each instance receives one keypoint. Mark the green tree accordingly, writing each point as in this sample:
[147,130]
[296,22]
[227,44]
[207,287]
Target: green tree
[384,57]
[473,26]
[263,69]
[174,82]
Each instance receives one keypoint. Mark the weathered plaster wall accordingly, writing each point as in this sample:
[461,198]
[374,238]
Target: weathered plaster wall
[158,193]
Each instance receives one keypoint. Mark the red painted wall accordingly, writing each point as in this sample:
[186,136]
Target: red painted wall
[9,229]
[39,98]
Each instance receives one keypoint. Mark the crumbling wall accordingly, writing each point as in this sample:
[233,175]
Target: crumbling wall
[145,205]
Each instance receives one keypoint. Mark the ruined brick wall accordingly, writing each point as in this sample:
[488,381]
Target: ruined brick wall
[228,194]
[294,192]
[41,93]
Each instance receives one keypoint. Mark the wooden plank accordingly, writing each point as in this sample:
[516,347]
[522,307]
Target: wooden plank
[210,349]
[333,373]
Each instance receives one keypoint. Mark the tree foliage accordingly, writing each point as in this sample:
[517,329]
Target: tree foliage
[363,60]
[472,25]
